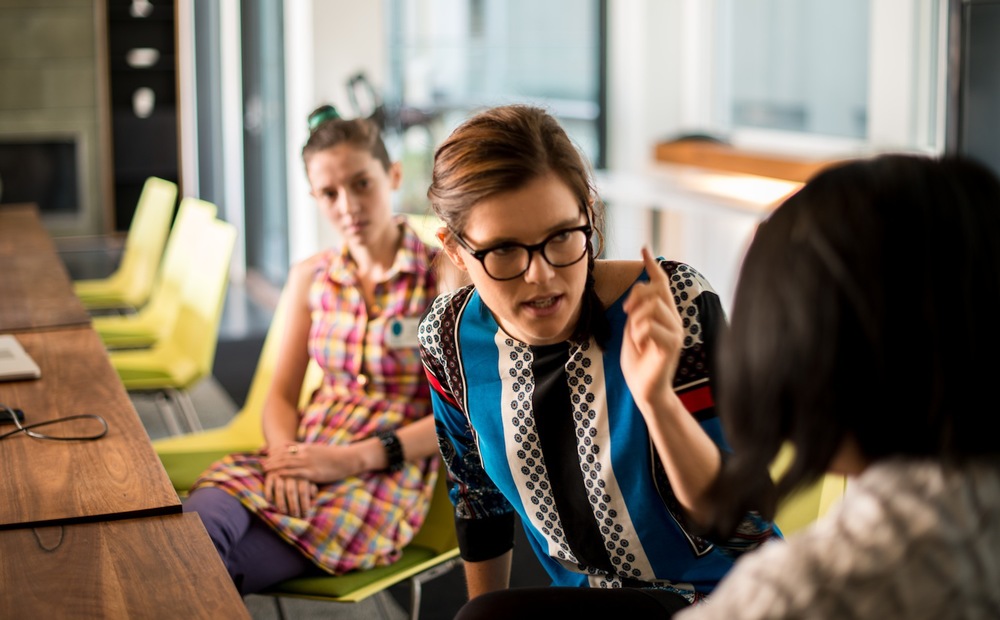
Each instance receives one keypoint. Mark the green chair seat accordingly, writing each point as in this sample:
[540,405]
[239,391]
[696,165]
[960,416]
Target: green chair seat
[358,585]
[144,370]
[432,552]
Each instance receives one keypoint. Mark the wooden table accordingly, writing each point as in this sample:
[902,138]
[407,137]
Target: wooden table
[164,567]
[21,230]
[70,545]
[46,482]
[36,291]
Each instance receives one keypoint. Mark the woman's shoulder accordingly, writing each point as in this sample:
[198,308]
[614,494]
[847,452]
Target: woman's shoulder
[612,278]
[450,302]
[438,332]
[304,272]
[445,310]
[308,266]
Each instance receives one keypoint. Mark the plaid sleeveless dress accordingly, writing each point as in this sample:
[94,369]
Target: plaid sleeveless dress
[363,521]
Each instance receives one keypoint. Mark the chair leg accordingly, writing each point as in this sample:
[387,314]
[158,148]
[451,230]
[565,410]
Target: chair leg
[184,403]
[386,611]
[418,580]
[279,607]
[162,402]
[416,591]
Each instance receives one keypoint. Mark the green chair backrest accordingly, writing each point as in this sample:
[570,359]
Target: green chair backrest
[247,422]
[426,227]
[438,531]
[193,215]
[807,504]
[146,238]
[195,332]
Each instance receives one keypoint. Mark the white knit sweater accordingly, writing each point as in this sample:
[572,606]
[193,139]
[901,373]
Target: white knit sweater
[910,540]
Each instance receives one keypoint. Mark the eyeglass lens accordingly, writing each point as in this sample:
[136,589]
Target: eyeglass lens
[561,250]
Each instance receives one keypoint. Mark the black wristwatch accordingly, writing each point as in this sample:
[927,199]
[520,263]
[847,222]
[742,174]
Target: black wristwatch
[393,450]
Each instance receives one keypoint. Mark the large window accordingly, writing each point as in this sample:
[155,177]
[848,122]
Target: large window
[238,158]
[449,58]
[264,153]
[849,75]
[796,66]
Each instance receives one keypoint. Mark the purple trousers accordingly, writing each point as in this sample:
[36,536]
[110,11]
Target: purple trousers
[254,554]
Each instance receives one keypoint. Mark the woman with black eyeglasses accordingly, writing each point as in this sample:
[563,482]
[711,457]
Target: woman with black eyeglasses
[575,393]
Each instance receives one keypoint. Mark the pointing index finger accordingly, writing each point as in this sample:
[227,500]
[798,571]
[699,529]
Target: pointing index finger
[653,268]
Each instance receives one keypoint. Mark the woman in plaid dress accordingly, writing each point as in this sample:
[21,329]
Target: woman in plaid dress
[345,482]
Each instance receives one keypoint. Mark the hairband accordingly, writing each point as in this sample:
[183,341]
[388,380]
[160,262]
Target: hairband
[321,115]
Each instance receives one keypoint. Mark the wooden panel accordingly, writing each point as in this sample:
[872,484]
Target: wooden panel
[136,568]
[46,482]
[728,159]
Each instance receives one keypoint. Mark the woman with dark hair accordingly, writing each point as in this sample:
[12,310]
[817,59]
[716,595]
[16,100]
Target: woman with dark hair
[345,482]
[558,393]
[864,334]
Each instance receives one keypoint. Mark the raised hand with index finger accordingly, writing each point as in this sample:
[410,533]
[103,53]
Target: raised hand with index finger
[654,335]
[651,347]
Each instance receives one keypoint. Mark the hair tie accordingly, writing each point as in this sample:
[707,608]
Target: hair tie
[321,115]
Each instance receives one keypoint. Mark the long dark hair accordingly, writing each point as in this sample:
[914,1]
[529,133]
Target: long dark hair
[503,149]
[867,307]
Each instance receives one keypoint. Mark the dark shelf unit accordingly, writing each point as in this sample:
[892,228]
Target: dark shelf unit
[146,145]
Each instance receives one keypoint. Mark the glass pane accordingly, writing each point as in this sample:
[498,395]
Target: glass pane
[797,65]
[265,188]
[451,57]
[980,133]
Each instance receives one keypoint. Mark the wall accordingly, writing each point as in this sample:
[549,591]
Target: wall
[650,95]
[655,92]
[52,84]
[326,41]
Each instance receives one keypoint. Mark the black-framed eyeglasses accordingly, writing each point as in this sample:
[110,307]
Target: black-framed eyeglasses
[507,261]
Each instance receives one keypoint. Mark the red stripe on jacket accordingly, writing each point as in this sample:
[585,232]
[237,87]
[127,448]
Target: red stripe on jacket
[697,399]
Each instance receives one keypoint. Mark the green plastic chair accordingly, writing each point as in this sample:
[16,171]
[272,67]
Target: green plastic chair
[806,505]
[186,456]
[186,353]
[152,322]
[130,285]
[426,227]
[432,552]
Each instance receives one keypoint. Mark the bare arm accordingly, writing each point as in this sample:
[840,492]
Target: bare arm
[280,417]
[488,575]
[321,463]
[419,442]
[654,335]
